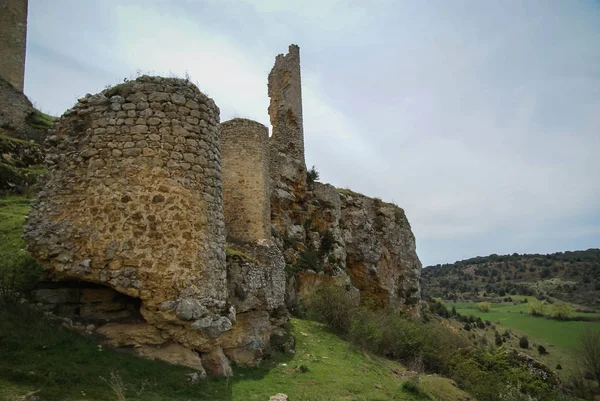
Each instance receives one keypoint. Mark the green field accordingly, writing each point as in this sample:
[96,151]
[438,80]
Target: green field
[562,334]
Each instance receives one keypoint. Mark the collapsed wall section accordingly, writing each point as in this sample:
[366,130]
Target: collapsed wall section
[245,172]
[132,201]
[13,36]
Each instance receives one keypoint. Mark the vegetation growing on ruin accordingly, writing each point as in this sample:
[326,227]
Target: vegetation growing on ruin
[40,120]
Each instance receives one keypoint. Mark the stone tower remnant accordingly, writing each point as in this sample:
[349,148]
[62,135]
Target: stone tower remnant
[288,167]
[246,180]
[13,40]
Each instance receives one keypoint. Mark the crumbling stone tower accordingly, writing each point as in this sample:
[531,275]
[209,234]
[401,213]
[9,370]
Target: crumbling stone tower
[245,174]
[133,201]
[13,39]
[288,168]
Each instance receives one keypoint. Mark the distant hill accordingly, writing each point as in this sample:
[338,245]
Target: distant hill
[568,276]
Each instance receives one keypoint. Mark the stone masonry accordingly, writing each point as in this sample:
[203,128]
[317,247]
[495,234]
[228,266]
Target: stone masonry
[13,39]
[288,168]
[132,203]
[245,171]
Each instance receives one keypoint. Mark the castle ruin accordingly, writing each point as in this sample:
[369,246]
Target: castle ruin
[186,238]
[13,36]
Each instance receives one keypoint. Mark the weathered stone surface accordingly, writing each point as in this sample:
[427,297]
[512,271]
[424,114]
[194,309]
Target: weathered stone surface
[13,36]
[246,187]
[287,164]
[15,113]
[174,354]
[381,257]
[131,334]
[128,222]
[137,208]
[279,397]
[216,363]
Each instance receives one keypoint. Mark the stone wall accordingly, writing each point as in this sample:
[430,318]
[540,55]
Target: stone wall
[245,172]
[13,36]
[287,165]
[132,201]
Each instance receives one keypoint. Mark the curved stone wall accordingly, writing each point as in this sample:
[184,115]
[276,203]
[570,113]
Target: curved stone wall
[245,174]
[132,198]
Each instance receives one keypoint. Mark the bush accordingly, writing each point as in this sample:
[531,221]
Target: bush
[562,311]
[524,342]
[412,387]
[558,367]
[542,349]
[536,307]
[332,305]
[18,275]
[312,175]
[484,306]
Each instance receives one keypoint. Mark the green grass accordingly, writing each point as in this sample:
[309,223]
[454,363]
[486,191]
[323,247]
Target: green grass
[35,354]
[562,334]
[334,371]
[37,119]
[13,211]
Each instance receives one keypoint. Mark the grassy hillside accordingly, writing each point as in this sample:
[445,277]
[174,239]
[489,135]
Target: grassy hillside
[568,276]
[38,355]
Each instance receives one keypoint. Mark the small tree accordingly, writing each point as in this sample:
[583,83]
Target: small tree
[312,175]
[588,352]
[484,306]
[536,307]
[562,311]
[524,342]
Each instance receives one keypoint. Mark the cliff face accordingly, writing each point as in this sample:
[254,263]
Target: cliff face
[359,242]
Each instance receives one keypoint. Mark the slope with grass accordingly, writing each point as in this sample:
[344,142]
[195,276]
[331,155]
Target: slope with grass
[38,355]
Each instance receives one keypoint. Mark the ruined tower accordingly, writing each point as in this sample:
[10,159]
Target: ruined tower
[13,39]
[245,174]
[288,168]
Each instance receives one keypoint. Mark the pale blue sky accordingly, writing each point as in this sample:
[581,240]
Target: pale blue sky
[480,118]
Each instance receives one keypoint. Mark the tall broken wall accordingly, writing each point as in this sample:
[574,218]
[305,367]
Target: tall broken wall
[326,234]
[13,37]
[287,165]
[132,201]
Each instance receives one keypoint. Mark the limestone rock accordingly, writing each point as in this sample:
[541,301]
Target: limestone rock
[279,397]
[131,334]
[174,354]
[216,363]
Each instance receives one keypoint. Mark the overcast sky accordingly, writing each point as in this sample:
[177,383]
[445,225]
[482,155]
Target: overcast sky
[480,118]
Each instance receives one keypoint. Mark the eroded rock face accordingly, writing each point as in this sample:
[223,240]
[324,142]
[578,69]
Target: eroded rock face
[381,257]
[133,204]
[358,242]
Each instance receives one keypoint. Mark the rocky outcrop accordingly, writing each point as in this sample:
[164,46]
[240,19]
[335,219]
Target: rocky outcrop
[381,257]
[358,242]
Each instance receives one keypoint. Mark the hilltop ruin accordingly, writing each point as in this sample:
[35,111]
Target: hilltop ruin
[186,238]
